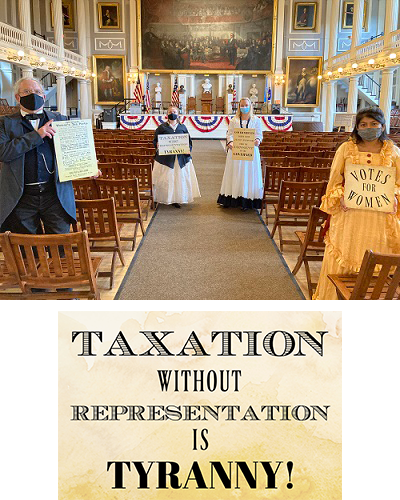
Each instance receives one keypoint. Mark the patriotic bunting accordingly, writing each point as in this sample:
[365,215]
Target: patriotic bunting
[278,122]
[206,123]
[133,122]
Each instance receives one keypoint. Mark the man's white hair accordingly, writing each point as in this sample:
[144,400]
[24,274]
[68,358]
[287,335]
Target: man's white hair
[17,84]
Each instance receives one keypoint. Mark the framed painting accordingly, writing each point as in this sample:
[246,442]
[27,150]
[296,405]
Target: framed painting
[109,82]
[68,14]
[348,15]
[109,18]
[304,15]
[190,37]
[302,84]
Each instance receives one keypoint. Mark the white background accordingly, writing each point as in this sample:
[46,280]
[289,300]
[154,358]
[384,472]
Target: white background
[371,342]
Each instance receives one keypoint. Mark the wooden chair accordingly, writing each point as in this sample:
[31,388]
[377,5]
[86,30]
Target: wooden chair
[8,274]
[370,284]
[274,175]
[54,263]
[296,200]
[85,189]
[275,160]
[127,200]
[219,105]
[191,105]
[301,161]
[99,219]
[312,174]
[322,162]
[312,244]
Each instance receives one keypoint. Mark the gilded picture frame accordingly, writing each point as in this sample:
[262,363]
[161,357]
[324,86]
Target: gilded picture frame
[110,80]
[304,15]
[109,16]
[348,15]
[172,40]
[303,87]
[68,12]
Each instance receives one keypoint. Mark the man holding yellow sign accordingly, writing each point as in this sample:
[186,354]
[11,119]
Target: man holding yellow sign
[174,177]
[242,184]
[362,198]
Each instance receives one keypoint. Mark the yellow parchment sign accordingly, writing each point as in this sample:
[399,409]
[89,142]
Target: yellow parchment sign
[370,187]
[243,144]
[74,147]
[173,144]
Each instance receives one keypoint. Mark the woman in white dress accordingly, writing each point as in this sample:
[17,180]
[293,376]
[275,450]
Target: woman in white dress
[174,177]
[242,184]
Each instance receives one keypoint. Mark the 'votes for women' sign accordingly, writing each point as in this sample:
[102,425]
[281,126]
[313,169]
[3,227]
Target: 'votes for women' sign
[173,144]
[200,405]
[370,187]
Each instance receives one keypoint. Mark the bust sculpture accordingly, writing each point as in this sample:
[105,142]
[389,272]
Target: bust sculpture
[182,89]
[207,86]
[158,90]
[253,93]
[229,90]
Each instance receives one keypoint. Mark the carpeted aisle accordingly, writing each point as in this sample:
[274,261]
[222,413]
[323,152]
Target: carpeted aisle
[203,251]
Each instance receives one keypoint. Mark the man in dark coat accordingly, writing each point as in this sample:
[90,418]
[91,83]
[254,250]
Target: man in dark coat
[30,190]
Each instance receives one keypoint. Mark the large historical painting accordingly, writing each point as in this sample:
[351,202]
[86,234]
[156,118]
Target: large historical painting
[110,79]
[210,35]
[303,86]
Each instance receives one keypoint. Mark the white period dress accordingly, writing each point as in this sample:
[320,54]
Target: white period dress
[175,185]
[242,184]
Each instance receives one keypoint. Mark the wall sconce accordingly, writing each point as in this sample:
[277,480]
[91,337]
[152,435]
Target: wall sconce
[18,57]
[329,73]
[371,62]
[319,77]
[354,65]
[340,70]
[279,80]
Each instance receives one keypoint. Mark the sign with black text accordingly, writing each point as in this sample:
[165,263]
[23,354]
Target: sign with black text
[173,144]
[243,144]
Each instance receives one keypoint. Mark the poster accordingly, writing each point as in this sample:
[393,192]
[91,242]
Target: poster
[370,187]
[347,120]
[75,151]
[173,144]
[243,144]
[199,405]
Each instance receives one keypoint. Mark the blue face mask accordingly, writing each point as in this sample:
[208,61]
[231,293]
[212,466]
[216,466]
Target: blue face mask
[244,109]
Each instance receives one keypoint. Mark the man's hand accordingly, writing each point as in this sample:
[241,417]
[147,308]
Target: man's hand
[257,142]
[47,130]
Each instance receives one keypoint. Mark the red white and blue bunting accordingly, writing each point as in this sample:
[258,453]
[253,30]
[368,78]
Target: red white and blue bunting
[133,122]
[159,119]
[206,123]
[278,123]
[229,118]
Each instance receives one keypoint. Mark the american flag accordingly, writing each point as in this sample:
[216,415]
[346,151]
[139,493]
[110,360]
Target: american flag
[234,91]
[147,99]
[138,94]
[175,95]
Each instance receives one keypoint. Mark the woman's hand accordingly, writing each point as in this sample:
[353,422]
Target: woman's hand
[343,206]
[230,145]
[256,142]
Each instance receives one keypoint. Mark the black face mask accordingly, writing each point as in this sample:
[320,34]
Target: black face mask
[32,102]
[172,116]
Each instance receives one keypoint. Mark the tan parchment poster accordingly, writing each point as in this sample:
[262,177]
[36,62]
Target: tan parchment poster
[200,405]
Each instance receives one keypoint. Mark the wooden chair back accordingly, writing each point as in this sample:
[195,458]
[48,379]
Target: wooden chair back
[274,175]
[322,162]
[191,104]
[300,197]
[379,278]
[85,189]
[54,262]
[313,174]
[300,160]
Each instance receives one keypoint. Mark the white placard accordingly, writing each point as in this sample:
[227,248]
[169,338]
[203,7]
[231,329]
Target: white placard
[75,151]
[347,120]
[173,144]
[370,187]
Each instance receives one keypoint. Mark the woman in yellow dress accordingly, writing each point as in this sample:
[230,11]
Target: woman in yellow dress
[352,231]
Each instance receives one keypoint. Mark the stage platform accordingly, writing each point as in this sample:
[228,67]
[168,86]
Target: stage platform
[201,126]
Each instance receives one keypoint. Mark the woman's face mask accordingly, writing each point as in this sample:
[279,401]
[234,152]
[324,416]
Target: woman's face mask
[370,134]
[244,109]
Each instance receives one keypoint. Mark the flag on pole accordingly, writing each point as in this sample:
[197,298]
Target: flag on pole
[175,95]
[269,94]
[147,100]
[138,93]
[234,91]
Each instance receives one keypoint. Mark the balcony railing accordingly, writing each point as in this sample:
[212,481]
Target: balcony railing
[44,47]
[370,49]
[74,58]
[11,35]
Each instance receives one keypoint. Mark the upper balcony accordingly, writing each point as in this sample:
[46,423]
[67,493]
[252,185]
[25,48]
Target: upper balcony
[379,53]
[33,52]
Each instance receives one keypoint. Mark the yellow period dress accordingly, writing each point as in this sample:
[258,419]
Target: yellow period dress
[351,232]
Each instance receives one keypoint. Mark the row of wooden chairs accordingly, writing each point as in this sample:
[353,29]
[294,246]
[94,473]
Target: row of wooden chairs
[56,266]
[309,154]
[293,161]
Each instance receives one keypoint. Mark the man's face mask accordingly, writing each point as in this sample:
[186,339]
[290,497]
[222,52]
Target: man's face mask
[32,102]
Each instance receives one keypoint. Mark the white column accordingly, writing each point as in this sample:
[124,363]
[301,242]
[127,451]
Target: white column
[192,88]
[81,23]
[14,17]
[6,82]
[61,95]
[84,99]
[36,16]
[391,18]
[27,72]
[356,32]
[381,16]
[386,94]
[239,87]
[333,30]
[133,47]
[25,20]
[353,95]
[330,106]
[221,85]
[58,28]
[280,33]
